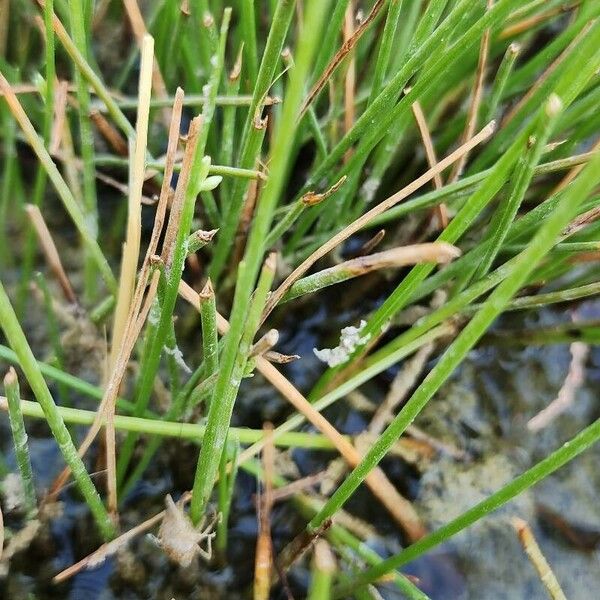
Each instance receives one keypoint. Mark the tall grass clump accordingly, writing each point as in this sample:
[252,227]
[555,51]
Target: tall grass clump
[248,175]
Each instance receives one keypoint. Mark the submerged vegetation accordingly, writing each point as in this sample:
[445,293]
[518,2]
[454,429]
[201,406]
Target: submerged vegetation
[186,186]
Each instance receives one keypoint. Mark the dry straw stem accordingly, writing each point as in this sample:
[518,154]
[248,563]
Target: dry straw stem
[400,508]
[59,118]
[138,312]
[538,560]
[339,56]
[581,222]
[476,96]
[169,243]
[263,562]
[363,220]
[265,343]
[436,252]
[131,251]
[4,22]
[131,246]
[314,198]
[371,244]
[66,151]
[441,210]
[50,252]
[350,77]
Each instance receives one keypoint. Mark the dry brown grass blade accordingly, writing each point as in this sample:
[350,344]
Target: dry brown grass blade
[537,559]
[178,196]
[476,96]
[582,221]
[101,8]
[65,151]
[99,556]
[61,91]
[340,55]
[131,246]
[324,558]
[137,313]
[124,310]
[440,211]
[110,133]
[50,252]
[313,198]
[265,343]
[350,77]
[359,223]
[534,20]
[436,252]
[121,187]
[400,508]
[263,562]
[371,244]
[430,252]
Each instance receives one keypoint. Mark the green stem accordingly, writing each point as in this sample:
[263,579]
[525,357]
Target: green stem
[253,133]
[76,18]
[500,80]
[507,210]
[210,340]
[108,160]
[248,27]
[17,426]
[226,388]
[385,48]
[157,334]
[185,431]
[221,405]
[225,492]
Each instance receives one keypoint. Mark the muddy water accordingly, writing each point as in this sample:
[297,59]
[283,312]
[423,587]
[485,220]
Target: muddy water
[482,411]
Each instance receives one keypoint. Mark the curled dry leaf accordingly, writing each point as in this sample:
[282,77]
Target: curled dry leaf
[313,198]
